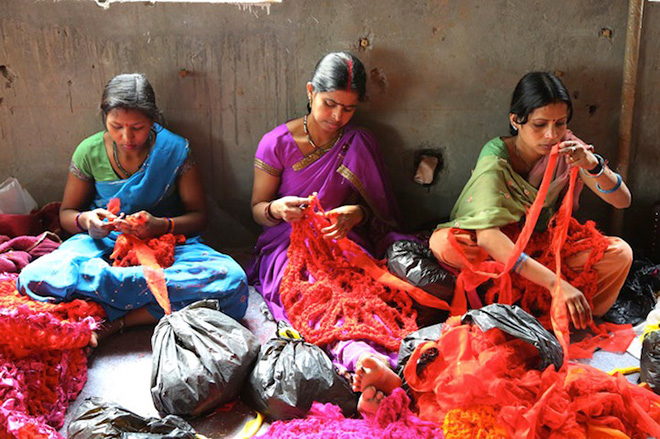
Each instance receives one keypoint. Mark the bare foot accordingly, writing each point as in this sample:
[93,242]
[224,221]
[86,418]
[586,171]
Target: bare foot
[370,400]
[373,370]
[105,330]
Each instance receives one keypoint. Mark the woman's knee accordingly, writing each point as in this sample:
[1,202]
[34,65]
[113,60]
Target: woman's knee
[620,252]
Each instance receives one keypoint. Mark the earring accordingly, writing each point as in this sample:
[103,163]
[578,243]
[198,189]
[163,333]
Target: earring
[515,128]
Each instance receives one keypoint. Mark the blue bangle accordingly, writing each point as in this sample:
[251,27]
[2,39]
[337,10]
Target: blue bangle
[619,180]
[519,263]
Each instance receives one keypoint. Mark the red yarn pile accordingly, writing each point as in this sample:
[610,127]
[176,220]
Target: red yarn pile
[532,297]
[466,367]
[42,362]
[328,298]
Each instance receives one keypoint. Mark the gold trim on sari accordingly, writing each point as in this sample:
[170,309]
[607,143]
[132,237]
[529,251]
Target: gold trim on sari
[258,163]
[310,158]
[350,176]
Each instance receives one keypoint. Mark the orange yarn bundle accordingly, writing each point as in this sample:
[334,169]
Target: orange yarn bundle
[125,253]
[476,422]
[328,298]
[152,254]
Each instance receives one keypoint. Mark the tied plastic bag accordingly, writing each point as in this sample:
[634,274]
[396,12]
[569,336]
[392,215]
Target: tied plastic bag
[201,358]
[291,374]
[14,199]
[414,263]
[516,322]
[97,419]
[650,361]
[637,297]
[414,339]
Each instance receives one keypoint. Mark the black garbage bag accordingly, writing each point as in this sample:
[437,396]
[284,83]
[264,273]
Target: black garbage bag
[414,339]
[650,361]
[201,359]
[290,374]
[637,297]
[515,321]
[414,263]
[97,419]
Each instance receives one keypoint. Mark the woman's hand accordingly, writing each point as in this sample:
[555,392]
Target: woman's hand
[142,224]
[577,152]
[289,209]
[98,222]
[343,219]
[577,305]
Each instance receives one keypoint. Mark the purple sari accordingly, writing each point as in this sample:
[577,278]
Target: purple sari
[350,172]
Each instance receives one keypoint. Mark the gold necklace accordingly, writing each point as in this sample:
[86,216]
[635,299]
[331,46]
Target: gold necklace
[311,142]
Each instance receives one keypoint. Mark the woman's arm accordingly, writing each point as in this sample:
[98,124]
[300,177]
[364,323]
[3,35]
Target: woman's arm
[500,247]
[191,222]
[266,209]
[77,194]
[595,173]
[191,192]
[605,186]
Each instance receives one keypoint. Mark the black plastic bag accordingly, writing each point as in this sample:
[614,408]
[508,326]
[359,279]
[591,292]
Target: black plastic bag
[414,263]
[290,374]
[637,297]
[515,321]
[97,419]
[650,361]
[201,359]
[414,339]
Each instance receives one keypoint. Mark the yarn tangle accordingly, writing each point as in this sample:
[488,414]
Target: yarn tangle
[466,368]
[152,254]
[328,298]
[42,362]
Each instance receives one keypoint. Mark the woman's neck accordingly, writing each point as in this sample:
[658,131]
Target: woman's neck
[317,135]
[524,158]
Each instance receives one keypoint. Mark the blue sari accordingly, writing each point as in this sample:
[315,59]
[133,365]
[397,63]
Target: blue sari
[79,268]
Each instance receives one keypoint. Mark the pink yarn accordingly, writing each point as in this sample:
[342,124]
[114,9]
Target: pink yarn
[42,362]
[394,420]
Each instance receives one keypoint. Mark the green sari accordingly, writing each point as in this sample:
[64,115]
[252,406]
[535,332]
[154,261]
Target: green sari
[496,195]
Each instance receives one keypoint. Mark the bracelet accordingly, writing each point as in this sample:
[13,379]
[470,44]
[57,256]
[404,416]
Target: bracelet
[520,262]
[78,226]
[269,216]
[600,167]
[619,180]
[170,225]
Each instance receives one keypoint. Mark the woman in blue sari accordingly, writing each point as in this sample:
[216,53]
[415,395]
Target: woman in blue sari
[152,173]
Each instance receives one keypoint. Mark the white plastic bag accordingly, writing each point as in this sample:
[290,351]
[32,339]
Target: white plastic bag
[14,199]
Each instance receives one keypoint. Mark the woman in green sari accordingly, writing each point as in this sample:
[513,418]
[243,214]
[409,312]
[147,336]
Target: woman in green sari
[503,186]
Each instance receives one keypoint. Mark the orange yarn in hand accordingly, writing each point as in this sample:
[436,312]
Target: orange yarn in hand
[152,254]
[328,299]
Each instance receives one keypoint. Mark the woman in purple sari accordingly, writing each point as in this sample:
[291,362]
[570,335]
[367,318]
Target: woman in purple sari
[321,152]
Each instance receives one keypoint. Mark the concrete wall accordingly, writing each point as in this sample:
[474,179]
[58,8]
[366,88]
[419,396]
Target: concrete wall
[442,73]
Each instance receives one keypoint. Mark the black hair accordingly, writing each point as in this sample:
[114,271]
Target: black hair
[130,91]
[535,90]
[340,71]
